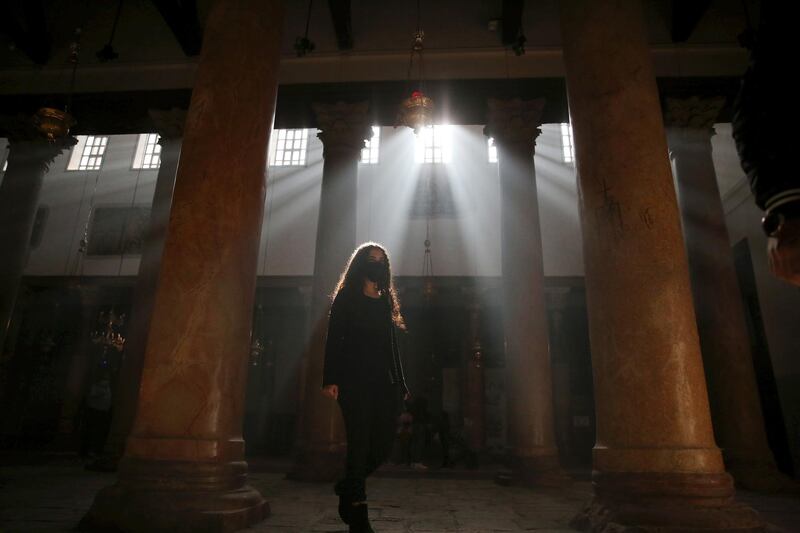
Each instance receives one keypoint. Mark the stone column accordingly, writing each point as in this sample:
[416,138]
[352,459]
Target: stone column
[561,360]
[169,125]
[184,465]
[724,341]
[321,438]
[29,158]
[514,124]
[474,416]
[655,461]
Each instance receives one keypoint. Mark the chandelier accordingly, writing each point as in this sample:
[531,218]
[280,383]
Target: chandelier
[108,336]
[416,111]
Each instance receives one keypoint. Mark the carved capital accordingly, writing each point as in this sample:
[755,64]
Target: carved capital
[514,122]
[169,123]
[28,146]
[696,112]
[21,128]
[344,127]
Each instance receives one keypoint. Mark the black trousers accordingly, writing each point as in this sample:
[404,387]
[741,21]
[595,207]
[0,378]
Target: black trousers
[370,413]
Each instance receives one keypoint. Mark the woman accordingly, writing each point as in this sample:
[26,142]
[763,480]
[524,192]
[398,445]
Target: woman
[363,372]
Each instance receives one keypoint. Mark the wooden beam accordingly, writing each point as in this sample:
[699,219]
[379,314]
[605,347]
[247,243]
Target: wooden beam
[512,20]
[181,17]
[685,16]
[342,23]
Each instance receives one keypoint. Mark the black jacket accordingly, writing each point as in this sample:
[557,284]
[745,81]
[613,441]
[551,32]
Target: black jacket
[339,364]
[764,109]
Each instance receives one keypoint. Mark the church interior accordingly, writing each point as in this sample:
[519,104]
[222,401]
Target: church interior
[578,256]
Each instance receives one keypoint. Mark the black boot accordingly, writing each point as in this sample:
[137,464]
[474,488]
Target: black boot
[345,503]
[359,519]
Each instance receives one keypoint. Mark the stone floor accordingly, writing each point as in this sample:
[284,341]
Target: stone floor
[54,496]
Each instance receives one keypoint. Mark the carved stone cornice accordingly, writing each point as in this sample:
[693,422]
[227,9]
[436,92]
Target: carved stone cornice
[698,113]
[169,123]
[344,127]
[514,122]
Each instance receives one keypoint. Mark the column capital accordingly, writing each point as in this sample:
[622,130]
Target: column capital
[689,122]
[20,128]
[514,121]
[344,126]
[169,123]
[20,132]
[695,112]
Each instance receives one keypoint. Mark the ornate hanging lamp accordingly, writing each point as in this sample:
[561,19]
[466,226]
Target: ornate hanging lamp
[52,122]
[428,286]
[416,111]
[109,335]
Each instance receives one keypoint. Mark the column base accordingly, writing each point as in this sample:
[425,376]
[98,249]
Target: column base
[170,496]
[317,465]
[535,471]
[665,503]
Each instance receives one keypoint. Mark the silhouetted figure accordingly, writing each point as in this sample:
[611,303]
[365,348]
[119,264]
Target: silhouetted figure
[364,373]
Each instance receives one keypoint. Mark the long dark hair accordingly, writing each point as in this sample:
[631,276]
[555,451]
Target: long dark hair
[351,282]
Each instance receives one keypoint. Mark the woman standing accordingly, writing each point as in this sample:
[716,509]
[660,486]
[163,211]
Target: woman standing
[363,372]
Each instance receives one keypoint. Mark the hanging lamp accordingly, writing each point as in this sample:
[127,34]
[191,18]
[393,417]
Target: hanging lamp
[416,111]
[52,122]
[428,286]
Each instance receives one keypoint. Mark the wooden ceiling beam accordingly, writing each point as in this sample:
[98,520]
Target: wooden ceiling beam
[342,23]
[181,17]
[686,14]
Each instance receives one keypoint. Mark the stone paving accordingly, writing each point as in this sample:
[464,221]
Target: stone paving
[53,497]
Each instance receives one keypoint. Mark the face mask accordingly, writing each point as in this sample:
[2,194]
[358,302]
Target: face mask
[377,272]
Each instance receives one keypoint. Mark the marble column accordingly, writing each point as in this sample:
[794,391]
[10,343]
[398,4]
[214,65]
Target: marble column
[514,125]
[169,125]
[29,158]
[656,465]
[724,340]
[344,128]
[474,412]
[183,467]
[561,359]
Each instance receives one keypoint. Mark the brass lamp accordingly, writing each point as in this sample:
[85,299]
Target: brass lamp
[53,123]
[417,111]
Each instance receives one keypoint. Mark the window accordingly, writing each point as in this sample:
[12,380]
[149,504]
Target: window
[433,144]
[88,153]
[289,148]
[148,152]
[567,146]
[369,154]
[492,150]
